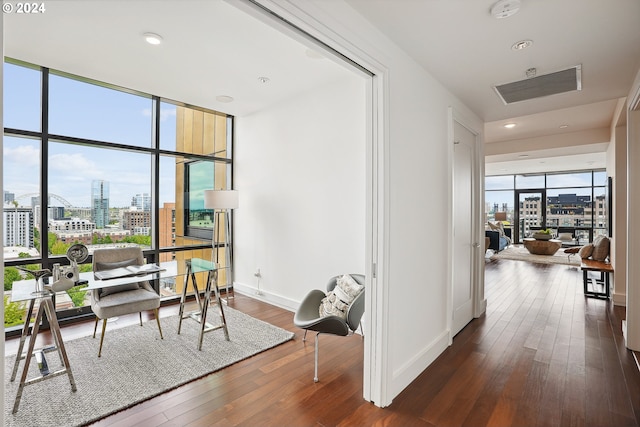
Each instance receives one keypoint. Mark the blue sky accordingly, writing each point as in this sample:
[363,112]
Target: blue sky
[85,111]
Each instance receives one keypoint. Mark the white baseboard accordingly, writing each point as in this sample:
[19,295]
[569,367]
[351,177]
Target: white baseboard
[403,376]
[619,299]
[266,296]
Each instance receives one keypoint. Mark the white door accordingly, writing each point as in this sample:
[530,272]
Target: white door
[462,295]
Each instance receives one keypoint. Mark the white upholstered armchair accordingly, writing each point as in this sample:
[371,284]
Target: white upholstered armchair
[123,299]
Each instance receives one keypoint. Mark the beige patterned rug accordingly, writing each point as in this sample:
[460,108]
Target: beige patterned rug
[136,365]
[520,253]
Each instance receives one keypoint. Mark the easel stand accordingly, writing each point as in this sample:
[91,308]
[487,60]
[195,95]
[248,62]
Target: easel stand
[201,315]
[45,307]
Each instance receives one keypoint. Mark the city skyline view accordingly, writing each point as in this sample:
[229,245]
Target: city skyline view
[84,111]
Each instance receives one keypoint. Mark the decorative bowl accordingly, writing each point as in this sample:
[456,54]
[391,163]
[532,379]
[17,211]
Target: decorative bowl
[542,236]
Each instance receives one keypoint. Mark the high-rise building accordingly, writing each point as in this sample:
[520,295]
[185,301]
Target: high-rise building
[100,203]
[135,218]
[142,201]
[9,197]
[18,226]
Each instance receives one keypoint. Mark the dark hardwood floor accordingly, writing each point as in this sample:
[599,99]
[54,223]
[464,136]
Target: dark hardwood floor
[542,355]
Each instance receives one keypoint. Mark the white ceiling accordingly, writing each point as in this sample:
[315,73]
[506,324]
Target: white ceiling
[469,51]
[210,42]
[457,41]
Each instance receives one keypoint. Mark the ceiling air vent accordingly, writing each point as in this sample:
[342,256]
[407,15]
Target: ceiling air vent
[535,87]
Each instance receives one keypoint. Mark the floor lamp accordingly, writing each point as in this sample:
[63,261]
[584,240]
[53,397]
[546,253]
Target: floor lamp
[222,202]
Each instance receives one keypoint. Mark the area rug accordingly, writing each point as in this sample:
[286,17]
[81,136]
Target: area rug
[520,253]
[136,365]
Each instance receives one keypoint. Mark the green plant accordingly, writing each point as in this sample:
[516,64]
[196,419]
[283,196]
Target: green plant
[13,312]
[11,274]
[77,295]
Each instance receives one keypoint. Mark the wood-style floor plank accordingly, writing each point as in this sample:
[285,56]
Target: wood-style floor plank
[541,355]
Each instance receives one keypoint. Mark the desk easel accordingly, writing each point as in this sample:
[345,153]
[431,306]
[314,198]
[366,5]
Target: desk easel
[200,266]
[45,307]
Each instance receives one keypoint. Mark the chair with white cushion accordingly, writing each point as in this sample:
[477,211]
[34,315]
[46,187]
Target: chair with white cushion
[123,299]
[341,311]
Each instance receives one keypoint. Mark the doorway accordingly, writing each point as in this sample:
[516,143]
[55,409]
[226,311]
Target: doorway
[463,235]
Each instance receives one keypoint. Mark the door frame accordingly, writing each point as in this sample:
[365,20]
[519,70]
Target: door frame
[293,21]
[477,213]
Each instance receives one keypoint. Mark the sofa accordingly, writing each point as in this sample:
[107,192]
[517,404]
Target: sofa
[498,242]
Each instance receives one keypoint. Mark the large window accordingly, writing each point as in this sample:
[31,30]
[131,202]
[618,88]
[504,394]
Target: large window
[82,164]
[573,201]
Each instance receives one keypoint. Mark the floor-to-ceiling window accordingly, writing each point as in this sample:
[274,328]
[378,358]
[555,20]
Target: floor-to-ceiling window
[91,163]
[573,202]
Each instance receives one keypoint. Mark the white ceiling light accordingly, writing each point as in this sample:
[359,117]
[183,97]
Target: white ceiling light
[264,79]
[152,38]
[522,44]
[510,125]
[564,126]
[224,98]
[505,8]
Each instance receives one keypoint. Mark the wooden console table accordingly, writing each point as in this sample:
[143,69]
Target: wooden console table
[605,269]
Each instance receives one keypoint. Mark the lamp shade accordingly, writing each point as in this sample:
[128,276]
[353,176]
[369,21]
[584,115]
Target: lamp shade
[220,199]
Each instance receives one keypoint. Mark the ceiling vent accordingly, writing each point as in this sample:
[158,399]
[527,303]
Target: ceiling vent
[544,85]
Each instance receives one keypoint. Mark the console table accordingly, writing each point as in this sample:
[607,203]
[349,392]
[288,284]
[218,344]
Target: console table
[542,247]
[605,269]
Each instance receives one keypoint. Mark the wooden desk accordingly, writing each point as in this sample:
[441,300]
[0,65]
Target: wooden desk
[605,270]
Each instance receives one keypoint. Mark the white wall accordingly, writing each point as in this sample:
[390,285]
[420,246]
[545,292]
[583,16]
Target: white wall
[300,171]
[632,330]
[1,234]
[416,182]
[617,169]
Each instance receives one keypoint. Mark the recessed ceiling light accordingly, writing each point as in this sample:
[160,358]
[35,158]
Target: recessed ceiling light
[564,126]
[523,156]
[224,98]
[152,38]
[522,44]
[264,79]
[510,125]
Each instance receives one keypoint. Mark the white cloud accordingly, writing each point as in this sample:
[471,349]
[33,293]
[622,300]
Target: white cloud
[24,155]
[165,113]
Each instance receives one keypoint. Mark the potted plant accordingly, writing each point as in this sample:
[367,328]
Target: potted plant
[543,234]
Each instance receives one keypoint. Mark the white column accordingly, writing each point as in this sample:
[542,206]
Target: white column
[632,335]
